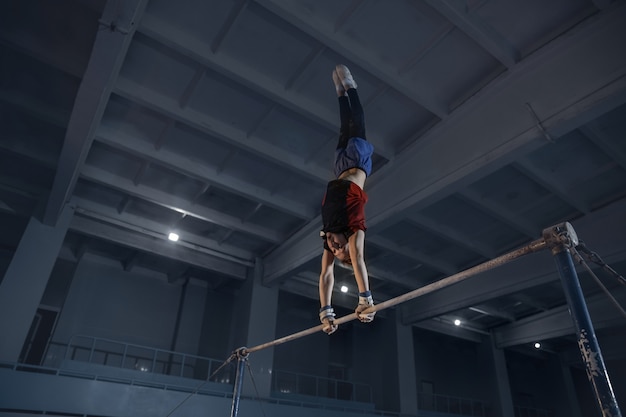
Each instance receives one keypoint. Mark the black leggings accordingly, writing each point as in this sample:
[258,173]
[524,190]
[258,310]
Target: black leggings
[352,118]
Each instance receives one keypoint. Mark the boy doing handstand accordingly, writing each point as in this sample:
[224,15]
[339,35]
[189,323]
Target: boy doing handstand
[343,214]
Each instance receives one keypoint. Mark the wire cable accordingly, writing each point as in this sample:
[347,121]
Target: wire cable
[595,258]
[195,391]
[581,261]
[258,397]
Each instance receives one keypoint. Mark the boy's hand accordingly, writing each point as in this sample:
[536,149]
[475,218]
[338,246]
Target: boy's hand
[365,301]
[327,317]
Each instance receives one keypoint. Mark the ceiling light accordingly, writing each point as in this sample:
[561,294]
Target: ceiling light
[173,237]
[457,322]
[537,345]
[344,288]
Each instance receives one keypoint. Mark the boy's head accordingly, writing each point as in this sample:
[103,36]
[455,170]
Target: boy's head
[337,244]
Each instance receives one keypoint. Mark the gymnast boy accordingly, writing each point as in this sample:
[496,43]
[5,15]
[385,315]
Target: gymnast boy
[343,214]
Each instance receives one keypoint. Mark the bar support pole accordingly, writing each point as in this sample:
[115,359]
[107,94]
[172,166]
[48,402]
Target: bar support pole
[560,238]
[242,357]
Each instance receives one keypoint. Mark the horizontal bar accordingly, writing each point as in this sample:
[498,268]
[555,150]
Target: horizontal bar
[534,246]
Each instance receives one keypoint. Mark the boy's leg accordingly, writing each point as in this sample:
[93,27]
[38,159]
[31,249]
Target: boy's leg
[344,112]
[357,117]
[346,122]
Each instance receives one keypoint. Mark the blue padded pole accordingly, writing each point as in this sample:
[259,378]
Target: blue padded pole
[563,236]
[242,357]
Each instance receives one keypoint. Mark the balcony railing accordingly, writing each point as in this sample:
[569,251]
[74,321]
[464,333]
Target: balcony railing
[298,387]
[532,412]
[112,353]
[284,382]
[452,405]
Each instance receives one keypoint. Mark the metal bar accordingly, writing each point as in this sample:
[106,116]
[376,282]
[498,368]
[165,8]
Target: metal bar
[297,383]
[67,349]
[534,246]
[124,355]
[93,348]
[587,341]
[317,386]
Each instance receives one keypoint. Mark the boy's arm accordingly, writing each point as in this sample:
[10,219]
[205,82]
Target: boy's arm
[356,247]
[326,284]
[327,278]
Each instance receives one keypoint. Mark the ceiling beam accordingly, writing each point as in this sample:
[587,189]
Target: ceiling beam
[480,32]
[353,8]
[247,76]
[493,127]
[415,255]
[602,231]
[601,4]
[202,122]
[16,202]
[160,247]
[547,181]
[152,228]
[362,56]
[488,311]
[386,276]
[443,327]
[528,272]
[293,253]
[446,232]
[558,322]
[167,200]
[78,247]
[529,301]
[238,7]
[54,116]
[201,171]
[595,134]
[130,261]
[434,40]
[106,59]
[500,212]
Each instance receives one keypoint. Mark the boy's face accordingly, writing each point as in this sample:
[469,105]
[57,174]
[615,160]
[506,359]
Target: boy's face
[338,245]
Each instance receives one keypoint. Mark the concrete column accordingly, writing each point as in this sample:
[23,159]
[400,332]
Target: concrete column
[406,369]
[190,323]
[25,281]
[505,400]
[261,329]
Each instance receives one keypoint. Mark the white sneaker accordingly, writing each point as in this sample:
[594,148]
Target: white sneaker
[338,85]
[345,76]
